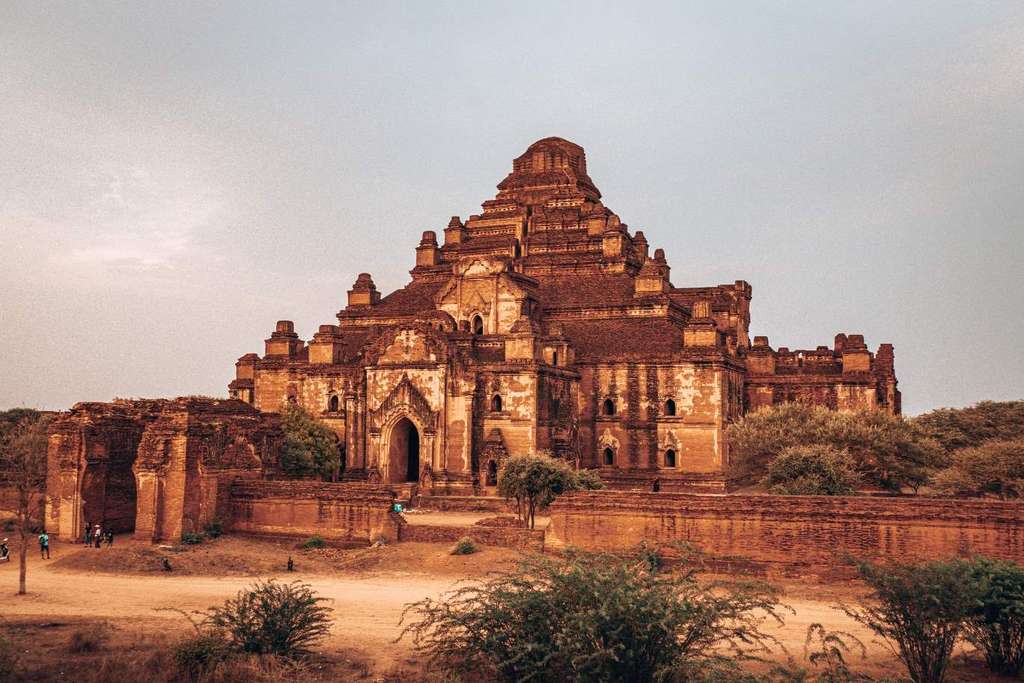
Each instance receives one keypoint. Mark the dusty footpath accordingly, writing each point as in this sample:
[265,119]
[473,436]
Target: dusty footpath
[367,588]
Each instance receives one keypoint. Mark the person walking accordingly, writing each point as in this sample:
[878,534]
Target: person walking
[97,535]
[87,536]
[44,545]
[110,537]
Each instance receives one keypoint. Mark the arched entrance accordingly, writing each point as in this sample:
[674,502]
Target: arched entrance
[404,452]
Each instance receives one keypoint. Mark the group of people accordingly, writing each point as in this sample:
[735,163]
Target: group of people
[44,548]
[96,535]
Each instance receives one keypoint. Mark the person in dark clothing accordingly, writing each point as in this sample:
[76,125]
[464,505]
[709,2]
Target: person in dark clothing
[44,545]
[110,537]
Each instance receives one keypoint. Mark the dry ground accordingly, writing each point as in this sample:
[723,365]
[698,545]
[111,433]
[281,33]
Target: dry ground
[126,588]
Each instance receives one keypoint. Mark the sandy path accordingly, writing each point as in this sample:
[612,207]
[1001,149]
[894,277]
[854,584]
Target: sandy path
[367,608]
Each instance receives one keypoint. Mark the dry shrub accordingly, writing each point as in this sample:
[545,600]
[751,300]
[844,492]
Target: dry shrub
[88,640]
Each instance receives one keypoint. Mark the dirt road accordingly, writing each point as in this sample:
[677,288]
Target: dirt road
[367,607]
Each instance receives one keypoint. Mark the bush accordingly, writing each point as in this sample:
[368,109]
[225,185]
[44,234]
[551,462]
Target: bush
[87,640]
[214,529]
[273,618]
[919,610]
[993,468]
[191,538]
[313,542]
[464,546]
[588,617]
[997,624]
[197,655]
[812,470]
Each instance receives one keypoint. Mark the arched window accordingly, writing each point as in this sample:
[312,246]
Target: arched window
[670,407]
[496,403]
[609,456]
[332,404]
[608,408]
[670,458]
[478,325]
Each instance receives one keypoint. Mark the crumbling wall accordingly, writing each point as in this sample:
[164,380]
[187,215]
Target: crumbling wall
[801,533]
[345,512]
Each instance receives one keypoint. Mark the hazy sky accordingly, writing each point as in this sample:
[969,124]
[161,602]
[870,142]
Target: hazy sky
[174,177]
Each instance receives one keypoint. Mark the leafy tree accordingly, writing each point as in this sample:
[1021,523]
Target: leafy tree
[10,418]
[957,428]
[535,480]
[997,624]
[919,611]
[23,469]
[992,468]
[812,470]
[887,451]
[310,447]
[272,618]
[590,617]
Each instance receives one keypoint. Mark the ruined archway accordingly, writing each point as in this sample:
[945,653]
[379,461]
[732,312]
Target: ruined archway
[404,452]
[108,486]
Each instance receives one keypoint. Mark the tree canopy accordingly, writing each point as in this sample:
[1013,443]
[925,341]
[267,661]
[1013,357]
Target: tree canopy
[812,470]
[887,451]
[991,468]
[534,480]
[310,447]
[957,428]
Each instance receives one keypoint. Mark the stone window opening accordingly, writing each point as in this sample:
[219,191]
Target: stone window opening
[496,403]
[333,404]
[554,357]
[609,457]
[670,408]
[670,458]
[478,325]
[608,407]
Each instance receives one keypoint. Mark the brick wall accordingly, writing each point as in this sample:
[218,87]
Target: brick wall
[815,534]
[503,537]
[344,512]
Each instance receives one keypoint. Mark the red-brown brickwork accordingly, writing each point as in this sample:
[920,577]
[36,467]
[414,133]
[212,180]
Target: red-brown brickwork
[793,533]
[342,512]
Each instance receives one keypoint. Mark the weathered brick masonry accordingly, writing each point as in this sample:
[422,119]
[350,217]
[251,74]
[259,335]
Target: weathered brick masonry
[791,532]
[339,512]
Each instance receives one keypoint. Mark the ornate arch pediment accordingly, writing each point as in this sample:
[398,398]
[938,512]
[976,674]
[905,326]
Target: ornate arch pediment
[608,440]
[408,344]
[669,440]
[404,399]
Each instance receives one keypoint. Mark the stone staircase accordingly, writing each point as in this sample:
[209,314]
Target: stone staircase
[405,493]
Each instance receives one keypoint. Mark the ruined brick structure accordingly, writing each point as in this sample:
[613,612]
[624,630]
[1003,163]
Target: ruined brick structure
[158,468]
[545,323]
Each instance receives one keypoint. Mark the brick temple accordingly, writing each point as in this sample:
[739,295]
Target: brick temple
[541,323]
[545,323]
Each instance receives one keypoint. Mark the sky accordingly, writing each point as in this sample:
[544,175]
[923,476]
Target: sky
[175,177]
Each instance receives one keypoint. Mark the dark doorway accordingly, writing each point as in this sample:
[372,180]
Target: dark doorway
[412,472]
[108,482]
[404,452]
[492,473]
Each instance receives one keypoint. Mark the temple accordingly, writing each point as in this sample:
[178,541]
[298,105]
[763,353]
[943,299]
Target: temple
[540,324]
[544,323]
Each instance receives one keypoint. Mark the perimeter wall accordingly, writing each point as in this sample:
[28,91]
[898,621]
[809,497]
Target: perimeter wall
[791,534]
